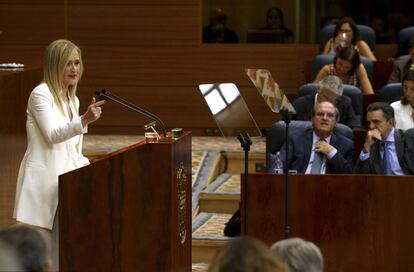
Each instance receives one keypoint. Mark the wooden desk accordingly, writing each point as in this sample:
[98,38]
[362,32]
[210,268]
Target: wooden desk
[15,87]
[360,222]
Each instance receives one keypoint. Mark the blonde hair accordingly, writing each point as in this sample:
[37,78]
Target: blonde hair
[56,58]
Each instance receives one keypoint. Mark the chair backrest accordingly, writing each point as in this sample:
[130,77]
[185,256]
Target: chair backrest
[365,32]
[277,134]
[369,66]
[368,35]
[322,59]
[391,92]
[318,62]
[326,33]
[350,91]
[404,37]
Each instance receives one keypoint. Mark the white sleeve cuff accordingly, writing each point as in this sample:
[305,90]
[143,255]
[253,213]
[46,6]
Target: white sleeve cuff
[331,154]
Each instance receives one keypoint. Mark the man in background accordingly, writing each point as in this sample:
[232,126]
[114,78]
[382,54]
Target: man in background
[217,31]
[329,89]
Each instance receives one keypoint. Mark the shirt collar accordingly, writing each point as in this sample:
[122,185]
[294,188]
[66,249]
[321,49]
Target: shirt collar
[391,136]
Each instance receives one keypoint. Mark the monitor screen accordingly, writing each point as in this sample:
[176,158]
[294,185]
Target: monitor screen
[265,36]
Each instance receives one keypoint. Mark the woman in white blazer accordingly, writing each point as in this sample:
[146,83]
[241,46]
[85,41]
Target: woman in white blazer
[54,135]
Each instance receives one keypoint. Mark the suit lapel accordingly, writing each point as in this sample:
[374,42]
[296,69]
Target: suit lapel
[308,148]
[399,148]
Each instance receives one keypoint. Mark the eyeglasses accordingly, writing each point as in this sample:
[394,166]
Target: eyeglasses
[329,115]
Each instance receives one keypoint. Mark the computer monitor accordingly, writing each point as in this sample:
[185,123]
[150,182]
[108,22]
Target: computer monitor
[265,36]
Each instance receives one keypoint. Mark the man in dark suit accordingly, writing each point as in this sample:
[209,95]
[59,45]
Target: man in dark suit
[329,89]
[386,150]
[401,66]
[317,149]
[217,31]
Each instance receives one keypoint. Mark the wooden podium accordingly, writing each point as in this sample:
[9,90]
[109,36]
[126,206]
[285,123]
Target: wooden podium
[360,222]
[128,211]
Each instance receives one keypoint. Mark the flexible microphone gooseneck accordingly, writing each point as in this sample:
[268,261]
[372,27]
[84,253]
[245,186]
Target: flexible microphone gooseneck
[105,95]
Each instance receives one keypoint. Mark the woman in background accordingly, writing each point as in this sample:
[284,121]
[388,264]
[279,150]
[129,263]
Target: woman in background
[346,34]
[275,21]
[348,67]
[54,138]
[404,109]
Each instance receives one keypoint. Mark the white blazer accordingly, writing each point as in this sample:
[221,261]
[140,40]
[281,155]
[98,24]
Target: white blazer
[54,147]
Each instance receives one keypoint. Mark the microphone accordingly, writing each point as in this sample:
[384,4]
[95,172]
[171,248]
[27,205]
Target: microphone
[105,95]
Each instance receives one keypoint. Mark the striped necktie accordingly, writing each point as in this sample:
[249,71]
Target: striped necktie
[386,166]
[317,161]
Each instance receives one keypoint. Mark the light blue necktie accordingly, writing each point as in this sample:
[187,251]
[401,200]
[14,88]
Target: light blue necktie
[317,162]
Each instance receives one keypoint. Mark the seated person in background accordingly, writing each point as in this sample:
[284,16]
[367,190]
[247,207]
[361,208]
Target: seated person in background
[348,67]
[275,21]
[401,66]
[246,254]
[346,34]
[299,255]
[386,150]
[329,89]
[30,246]
[216,31]
[404,109]
[318,150]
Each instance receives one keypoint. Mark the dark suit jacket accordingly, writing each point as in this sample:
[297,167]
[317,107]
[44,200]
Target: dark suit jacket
[300,148]
[400,68]
[304,104]
[404,145]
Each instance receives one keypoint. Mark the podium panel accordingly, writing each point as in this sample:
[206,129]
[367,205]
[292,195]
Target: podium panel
[128,211]
[360,222]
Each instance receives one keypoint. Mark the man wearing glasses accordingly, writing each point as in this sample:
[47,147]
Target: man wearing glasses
[317,150]
[386,150]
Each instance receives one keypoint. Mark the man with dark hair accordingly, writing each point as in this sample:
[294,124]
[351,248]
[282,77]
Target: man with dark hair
[402,65]
[330,89]
[386,150]
[318,150]
[30,246]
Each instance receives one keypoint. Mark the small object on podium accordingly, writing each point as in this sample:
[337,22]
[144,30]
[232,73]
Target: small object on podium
[151,137]
[177,133]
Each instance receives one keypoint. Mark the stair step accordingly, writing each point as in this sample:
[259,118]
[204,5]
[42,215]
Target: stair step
[208,235]
[222,195]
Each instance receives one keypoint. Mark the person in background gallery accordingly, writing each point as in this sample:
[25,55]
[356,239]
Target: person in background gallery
[275,21]
[402,65]
[217,31]
[404,108]
[346,34]
[54,130]
[348,67]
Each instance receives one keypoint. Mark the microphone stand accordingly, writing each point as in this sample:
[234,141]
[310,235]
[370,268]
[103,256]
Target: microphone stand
[105,95]
[245,142]
[286,117]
